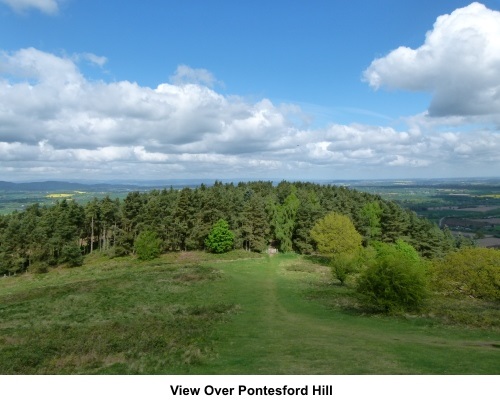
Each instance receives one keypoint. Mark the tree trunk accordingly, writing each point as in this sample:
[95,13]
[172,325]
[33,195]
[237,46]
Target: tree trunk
[92,236]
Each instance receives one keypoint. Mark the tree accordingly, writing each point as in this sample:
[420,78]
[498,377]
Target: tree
[183,219]
[147,245]
[335,234]
[394,222]
[254,227]
[284,221]
[308,213]
[92,216]
[395,281]
[370,220]
[220,239]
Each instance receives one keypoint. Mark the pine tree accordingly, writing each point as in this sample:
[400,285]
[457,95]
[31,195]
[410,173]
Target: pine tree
[370,222]
[308,213]
[254,228]
[394,222]
[284,221]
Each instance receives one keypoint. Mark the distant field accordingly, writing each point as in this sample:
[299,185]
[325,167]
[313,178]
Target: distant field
[479,208]
[237,313]
[18,200]
[60,195]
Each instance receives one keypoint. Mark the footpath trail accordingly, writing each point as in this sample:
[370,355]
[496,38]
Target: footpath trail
[277,330]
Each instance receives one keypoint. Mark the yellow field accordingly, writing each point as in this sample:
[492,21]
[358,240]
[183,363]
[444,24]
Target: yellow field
[59,195]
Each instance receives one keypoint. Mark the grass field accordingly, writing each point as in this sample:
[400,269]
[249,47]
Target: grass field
[238,313]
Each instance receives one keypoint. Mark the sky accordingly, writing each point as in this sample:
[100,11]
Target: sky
[298,90]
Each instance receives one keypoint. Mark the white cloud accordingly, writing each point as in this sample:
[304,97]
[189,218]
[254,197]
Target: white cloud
[45,6]
[187,75]
[55,123]
[45,68]
[459,63]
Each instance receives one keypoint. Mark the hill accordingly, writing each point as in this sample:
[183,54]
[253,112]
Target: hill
[237,313]
[48,186]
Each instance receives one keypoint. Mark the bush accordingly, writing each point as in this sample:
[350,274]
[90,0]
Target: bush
[71,255]
[147,245]
[342,265]
[473,272]
[220,239]
[38,267]
[395,281]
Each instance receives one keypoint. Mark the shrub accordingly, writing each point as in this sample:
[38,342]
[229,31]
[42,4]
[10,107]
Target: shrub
[473,272]
[342,265]
[39,267]
[71,255]
[395,281]
[147,245]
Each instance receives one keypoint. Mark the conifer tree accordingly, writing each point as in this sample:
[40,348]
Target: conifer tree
[308,213]
[254,228]
[370,222]
[284,221]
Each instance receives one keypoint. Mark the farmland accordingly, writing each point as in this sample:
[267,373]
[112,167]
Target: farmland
[469,207]
[17,196]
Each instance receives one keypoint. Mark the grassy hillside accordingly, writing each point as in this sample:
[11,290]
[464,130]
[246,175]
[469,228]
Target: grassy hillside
[238,313]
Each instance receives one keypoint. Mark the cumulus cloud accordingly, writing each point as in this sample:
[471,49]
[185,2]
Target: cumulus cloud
[55,123]
[44,68]
[459,63]
[45,6]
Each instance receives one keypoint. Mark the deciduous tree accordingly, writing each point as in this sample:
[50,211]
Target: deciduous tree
[220,239]
[335,234]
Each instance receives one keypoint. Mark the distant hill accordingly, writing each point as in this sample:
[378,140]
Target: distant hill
[48,186]
[54,186]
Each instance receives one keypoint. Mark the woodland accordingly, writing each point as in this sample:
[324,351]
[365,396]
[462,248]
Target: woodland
[259,215]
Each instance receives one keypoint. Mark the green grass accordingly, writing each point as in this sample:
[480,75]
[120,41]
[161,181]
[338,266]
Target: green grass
[237,313]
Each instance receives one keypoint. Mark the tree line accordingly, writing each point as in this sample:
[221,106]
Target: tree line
[259,215]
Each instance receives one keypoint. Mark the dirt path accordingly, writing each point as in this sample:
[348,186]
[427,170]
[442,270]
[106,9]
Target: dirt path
[279,331]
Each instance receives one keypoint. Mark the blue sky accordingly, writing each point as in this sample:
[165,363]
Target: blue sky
[223,89]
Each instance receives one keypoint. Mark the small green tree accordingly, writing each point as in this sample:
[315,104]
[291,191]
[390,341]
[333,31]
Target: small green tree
[395,281]
[147,245]
[335,234]
[220,239]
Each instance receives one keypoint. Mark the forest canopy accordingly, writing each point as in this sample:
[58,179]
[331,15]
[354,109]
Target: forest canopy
[258,215]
